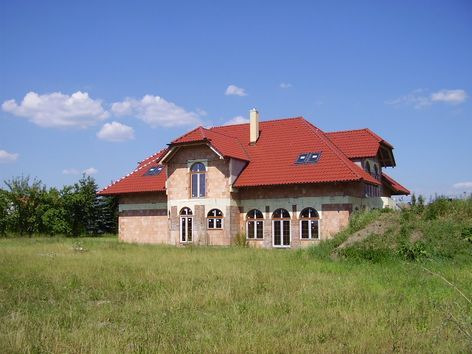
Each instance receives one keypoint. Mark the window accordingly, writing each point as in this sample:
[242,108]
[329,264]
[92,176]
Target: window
[313,157]
[281,228]
[376,172]
[309,224]
[186,225]
[215,219]
[153,171]
[197,173]
[367,167]
[302,158]
[308,157]
[255,225]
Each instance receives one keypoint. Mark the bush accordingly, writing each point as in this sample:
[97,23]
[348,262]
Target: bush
[240,240]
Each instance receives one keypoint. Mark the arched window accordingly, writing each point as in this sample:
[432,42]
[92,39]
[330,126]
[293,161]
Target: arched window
[309,224]
[367,167]
[376,171]
[197,173]
[281,228]
[215,219]
[255,224]
[186,225]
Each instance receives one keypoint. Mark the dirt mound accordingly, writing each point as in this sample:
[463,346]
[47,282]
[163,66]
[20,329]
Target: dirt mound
[378,227]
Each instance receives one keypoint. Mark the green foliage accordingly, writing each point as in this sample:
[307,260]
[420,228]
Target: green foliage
[27,207]
[99,295]
[240,240]
[358,220]
[439,230]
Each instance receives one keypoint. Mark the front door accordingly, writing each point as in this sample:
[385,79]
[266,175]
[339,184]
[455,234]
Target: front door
[186,229]
[281,233]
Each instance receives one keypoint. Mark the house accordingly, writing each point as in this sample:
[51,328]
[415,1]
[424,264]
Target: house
[283,183]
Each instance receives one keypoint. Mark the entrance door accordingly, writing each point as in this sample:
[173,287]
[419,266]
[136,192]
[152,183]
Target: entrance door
[281,228]
[186,223]
[185,229]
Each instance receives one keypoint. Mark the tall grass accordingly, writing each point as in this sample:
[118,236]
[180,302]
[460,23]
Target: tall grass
[99,295]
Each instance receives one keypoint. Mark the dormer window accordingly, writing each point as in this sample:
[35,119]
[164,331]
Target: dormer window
[197,178]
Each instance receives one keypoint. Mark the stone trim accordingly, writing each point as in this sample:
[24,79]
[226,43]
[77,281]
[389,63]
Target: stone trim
[142,206]
[153,212]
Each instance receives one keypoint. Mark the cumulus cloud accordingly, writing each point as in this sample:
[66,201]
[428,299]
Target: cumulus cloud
[449,96]
[74,171]
[155,111]
[233,90]
[90,171]
[58,110]
[463,185]
[70,171]
[237,120]
[419,98]
[6,156]
[285,85]
[116,132]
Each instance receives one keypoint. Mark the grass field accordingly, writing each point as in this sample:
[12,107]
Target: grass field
[99,295]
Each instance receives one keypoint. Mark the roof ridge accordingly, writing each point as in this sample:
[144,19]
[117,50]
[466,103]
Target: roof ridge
[263,121]
[348,163]
[347,131]
[157,153]
[187,133]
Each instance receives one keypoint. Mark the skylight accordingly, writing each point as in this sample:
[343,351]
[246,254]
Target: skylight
[302,158]
[153,171]
[308,157]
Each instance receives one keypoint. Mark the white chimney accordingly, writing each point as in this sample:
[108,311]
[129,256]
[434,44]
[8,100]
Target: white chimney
[253,125]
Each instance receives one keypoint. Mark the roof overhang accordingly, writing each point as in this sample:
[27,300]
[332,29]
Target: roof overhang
[173,148]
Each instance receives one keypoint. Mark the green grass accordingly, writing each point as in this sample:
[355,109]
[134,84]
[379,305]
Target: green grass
[99,295]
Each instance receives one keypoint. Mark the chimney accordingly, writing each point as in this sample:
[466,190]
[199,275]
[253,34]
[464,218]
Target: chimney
[253,126]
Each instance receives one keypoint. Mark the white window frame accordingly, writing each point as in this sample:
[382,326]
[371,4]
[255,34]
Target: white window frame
[255,229]
[310,236]
[281,233]
[199,176]
[187,216]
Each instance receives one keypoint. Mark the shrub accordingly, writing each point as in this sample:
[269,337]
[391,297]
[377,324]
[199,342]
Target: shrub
[240,240]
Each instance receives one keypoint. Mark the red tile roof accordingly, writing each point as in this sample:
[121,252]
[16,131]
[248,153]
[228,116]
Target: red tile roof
[393,185]
[226,144]
[280,143]
[358,143]
[136,182]
[271,161]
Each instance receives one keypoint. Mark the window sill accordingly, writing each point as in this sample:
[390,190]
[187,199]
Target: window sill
[254,239]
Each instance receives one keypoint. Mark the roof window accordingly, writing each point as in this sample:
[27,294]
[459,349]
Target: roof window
[153,171]
[308,157]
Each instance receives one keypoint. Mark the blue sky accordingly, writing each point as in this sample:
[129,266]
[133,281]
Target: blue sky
[97,86]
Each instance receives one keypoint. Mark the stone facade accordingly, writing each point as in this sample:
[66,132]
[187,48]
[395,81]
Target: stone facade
[156,217]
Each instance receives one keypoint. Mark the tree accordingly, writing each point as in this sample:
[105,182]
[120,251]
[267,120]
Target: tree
[413,199]
[3,212]
[24,199]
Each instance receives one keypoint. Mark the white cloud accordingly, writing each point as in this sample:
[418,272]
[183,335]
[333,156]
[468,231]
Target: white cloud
[155,111]
[6,156]
[285,85]
[73,171]
[416,98]
[58,110]
[233,90]
[116,132]
[419,98]
[70,171]
[90,171]
[449,96]
[463,185]
[237,120]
